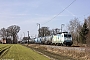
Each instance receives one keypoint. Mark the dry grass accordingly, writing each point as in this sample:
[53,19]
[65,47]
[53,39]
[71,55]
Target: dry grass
[48,52]
[78,55]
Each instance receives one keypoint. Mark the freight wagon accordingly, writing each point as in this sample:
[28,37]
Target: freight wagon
[63,38]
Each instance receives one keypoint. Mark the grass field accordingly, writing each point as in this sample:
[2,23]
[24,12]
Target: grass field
[3,49]
[19,52]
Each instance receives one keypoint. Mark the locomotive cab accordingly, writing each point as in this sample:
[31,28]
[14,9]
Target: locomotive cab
[67,39]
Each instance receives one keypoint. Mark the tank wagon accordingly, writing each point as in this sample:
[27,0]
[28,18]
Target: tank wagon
[63,38]
[26,41]
[46,40]
[37,40]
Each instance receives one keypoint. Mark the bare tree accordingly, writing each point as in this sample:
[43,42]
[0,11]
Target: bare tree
[55,31]
[14,30]
[88,36]
[74,27]
[88,22]
[3,33]
[44,31]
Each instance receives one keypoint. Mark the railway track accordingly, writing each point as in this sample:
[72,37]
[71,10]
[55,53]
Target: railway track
[76,48]
[73,51]
[43,50]
[80,49]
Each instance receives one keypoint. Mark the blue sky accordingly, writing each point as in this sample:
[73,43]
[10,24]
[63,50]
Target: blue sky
[27,13]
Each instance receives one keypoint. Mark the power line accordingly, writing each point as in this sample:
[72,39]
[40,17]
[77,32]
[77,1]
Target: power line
[60,12]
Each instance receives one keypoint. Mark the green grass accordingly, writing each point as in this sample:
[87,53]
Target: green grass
[4,46]
[19,52]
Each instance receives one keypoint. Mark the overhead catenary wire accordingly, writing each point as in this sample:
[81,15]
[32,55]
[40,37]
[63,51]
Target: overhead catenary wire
[59,12]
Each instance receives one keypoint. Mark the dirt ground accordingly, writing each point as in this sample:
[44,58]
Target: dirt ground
[52,55]
[56,53]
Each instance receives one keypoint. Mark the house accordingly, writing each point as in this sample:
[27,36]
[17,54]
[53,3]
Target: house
[3,41]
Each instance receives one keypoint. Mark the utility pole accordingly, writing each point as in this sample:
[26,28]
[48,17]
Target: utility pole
[28,37]
[39,29]
[61,27]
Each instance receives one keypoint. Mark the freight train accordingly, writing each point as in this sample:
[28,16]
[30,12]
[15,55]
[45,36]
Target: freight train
[63,38]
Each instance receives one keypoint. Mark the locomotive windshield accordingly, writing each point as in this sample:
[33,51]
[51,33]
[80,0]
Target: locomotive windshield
[67,35]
